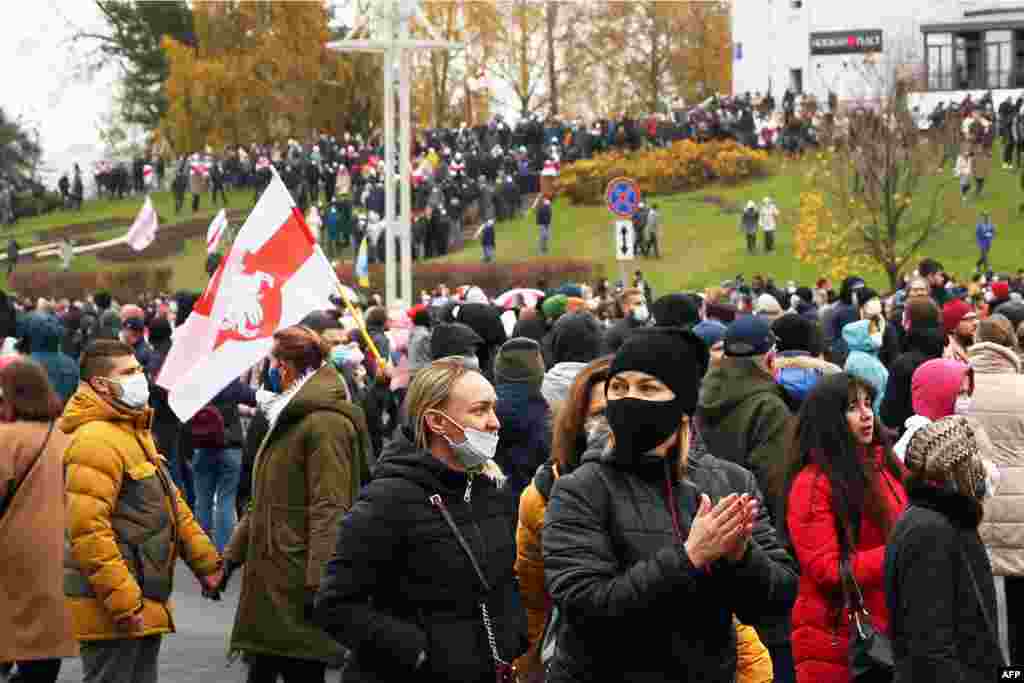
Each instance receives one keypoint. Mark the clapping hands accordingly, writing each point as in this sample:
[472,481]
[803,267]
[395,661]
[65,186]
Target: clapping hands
[722,531]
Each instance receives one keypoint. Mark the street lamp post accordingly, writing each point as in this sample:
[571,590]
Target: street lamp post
[396,16]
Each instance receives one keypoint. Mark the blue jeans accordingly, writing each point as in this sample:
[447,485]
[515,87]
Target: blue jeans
[216,472]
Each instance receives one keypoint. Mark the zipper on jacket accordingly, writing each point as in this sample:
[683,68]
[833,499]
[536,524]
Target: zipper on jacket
[468,498]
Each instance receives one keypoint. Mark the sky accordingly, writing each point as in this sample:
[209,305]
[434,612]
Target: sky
[40,82]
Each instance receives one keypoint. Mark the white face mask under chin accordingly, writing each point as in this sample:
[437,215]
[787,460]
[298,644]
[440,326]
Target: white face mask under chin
[134,391]
[962,405]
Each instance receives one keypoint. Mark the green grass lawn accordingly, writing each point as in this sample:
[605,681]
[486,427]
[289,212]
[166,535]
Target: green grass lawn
[701,242]
[189,266]
[702,245]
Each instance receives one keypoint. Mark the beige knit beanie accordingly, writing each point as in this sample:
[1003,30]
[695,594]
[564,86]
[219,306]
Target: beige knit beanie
[951,450]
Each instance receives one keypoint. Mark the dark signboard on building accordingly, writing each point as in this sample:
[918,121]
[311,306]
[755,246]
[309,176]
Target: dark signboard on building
[846,42]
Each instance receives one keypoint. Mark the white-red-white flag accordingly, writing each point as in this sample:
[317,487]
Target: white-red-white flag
[143,230]
[216,230]
[272,277]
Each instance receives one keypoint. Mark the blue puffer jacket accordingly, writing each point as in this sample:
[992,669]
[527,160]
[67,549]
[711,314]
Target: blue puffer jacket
[525,436]
[862,362]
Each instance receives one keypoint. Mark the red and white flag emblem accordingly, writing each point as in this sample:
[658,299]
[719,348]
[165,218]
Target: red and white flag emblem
[272,277]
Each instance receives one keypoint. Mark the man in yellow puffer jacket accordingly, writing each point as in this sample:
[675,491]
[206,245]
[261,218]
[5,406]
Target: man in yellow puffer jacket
[127,523]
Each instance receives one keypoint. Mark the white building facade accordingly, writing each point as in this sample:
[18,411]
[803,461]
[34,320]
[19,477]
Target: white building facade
[851,48]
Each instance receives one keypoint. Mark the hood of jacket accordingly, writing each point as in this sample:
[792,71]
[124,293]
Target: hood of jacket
[802,360]
[87,406]
[935,386]
[521,410]
[867,367]
[43,332]
[323,391]
[558,379]
[858,337]
[726,386]
[929,341]
[403,460]
[989,358]
[963,511]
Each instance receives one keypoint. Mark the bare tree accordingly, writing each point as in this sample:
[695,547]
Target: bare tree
[874,199]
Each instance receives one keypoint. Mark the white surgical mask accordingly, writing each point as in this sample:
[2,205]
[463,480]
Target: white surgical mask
[962,405]
[477,450]
[134,391]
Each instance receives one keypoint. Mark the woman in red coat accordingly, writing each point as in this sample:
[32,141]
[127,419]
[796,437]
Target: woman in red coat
[840,478]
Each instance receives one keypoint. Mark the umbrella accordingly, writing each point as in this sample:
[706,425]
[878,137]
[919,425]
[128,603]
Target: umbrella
[508,299]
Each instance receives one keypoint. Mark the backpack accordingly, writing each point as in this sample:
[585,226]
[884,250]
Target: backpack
[207,428]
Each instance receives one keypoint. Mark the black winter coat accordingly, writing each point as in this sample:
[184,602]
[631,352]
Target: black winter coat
[635,608]
[937,624]
[400,584]
[922,345]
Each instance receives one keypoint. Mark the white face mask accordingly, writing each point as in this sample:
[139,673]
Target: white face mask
[134,391]
[962,405]
[640,313]
[477,450]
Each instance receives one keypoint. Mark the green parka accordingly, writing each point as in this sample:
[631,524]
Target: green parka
[307,474]
[742,416]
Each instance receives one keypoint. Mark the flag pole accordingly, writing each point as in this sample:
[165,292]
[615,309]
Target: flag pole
[355,314]
[362,326]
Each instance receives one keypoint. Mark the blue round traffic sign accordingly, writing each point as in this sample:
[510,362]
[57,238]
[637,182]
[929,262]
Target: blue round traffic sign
[622,196]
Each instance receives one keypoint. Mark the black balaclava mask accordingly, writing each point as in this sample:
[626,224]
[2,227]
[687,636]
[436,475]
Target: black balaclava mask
[677,358]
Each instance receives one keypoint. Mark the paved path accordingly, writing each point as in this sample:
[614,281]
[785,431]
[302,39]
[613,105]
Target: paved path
[197,652]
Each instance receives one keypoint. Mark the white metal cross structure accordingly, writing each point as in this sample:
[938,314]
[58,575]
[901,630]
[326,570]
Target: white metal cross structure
[393,20]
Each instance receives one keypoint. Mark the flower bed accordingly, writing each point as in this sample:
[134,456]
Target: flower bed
[683,166]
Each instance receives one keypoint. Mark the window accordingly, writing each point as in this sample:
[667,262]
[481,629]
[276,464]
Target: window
[796,81]
[939,49]
[969,67]
[998,58]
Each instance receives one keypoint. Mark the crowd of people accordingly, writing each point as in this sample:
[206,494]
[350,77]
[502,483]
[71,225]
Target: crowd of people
[463,490]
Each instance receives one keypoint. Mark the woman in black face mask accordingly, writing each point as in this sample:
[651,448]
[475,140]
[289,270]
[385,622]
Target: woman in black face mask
[648,568]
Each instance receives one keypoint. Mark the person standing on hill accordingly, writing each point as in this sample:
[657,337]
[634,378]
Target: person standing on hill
[769,215]
[984,233]
[748,225]
[544,223]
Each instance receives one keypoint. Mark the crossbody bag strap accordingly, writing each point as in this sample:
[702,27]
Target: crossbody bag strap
[35,461]
[989,623]
[438,503]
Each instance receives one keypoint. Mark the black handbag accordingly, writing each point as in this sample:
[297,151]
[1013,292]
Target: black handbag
[504,672]
[870,654]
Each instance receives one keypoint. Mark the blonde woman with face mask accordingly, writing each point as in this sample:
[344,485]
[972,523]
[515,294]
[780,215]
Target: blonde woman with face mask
[421,586]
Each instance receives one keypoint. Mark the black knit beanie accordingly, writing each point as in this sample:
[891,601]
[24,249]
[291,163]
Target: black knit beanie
[794,332]
[678,358]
